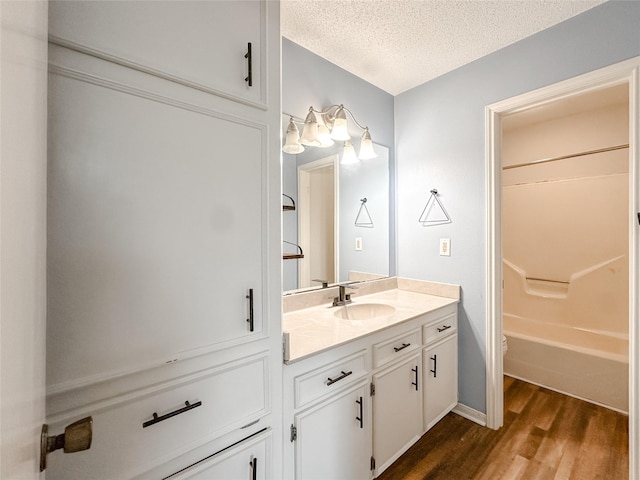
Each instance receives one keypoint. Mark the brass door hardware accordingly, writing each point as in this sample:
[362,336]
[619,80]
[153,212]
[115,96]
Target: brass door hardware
[76,438]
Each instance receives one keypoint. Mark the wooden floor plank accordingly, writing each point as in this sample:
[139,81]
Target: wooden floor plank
[546,435]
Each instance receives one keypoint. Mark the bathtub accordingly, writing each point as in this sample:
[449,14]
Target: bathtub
[588,364]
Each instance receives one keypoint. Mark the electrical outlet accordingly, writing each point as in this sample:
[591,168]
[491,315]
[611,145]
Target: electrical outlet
[358,243]
[445,247]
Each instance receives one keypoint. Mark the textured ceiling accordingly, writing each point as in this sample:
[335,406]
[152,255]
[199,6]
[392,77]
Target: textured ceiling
[399,44]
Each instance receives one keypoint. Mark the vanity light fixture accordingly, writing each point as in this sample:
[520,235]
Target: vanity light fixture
[322,129]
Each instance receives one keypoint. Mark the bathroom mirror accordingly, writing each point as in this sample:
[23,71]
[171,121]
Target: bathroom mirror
[342,237]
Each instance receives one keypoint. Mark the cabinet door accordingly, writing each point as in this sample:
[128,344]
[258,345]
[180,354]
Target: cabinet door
[155,231]
[440,380]
[397,411]
[198,44]
[249,460]
[334,438]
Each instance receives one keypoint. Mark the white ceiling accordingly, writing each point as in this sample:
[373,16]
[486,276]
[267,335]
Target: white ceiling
[399,44]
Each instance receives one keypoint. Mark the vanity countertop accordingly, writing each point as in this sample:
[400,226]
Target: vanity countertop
[315,329]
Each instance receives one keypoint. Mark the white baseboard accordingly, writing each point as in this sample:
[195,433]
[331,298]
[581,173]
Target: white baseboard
[470,414]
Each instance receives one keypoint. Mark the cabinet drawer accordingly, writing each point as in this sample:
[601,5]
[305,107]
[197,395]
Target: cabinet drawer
[329,378]
[226,398]
[397,347]
[440,328]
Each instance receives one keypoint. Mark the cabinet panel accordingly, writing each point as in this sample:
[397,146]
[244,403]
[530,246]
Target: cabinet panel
[332,442]
[155,231]
[397,410]
[200,44]
[250,460]
[440,380]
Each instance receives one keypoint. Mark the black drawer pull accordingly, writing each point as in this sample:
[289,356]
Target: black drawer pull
[156,419]
[415,370]
[445,327]
[331,381]
[249,77]
[435,365]
[404,345]
[359,402]
[254,468]
[250,319]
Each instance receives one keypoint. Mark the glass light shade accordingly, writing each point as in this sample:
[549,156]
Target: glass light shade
[340,130]
[324,136]
[310,131]
[292,139]
[348,154]
[366,147]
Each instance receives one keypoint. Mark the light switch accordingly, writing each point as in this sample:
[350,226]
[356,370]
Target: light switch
[445,247]
[358,243]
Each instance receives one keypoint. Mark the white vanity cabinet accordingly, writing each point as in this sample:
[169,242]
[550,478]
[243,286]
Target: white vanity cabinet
[163,216]
[382,373]
[397,410]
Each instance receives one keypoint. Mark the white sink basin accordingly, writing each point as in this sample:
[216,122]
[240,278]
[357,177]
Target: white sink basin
[364,311]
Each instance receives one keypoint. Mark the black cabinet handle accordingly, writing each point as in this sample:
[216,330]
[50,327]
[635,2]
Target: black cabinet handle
[249,77]
[250,319]
[331,381]
[435,365]
[444,327]
[156,419]
[254,468]
[359,402]
[404,345]
[415,370]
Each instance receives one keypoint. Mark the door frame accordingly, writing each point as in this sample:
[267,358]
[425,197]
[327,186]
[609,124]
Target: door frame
[304,171]
[620,73]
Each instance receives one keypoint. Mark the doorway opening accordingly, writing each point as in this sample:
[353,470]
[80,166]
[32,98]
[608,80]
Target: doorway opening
[626,76]
[565,244]
[317,225]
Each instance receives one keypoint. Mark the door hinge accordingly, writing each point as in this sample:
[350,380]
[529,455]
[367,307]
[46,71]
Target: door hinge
[372,390]
[373,464]
[294,433]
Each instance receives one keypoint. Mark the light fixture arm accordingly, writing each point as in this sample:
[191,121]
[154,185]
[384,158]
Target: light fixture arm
[328,114]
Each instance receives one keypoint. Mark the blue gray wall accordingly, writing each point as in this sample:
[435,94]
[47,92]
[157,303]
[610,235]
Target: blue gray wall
[440,143]
[310,80]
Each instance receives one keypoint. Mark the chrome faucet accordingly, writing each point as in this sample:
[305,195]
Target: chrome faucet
[343,298]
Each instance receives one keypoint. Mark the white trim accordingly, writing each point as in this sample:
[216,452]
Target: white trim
[620,73]
[470,414]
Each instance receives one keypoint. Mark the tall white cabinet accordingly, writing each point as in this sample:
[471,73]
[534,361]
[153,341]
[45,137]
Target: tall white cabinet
[164,237]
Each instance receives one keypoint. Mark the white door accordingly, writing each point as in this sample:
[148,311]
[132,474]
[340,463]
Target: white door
[23,147]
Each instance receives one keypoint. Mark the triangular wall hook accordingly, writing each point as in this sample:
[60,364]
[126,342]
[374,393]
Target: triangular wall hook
[434,212]
[363,219]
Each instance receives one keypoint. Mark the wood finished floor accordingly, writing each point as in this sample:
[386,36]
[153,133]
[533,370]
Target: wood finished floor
[546,436]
